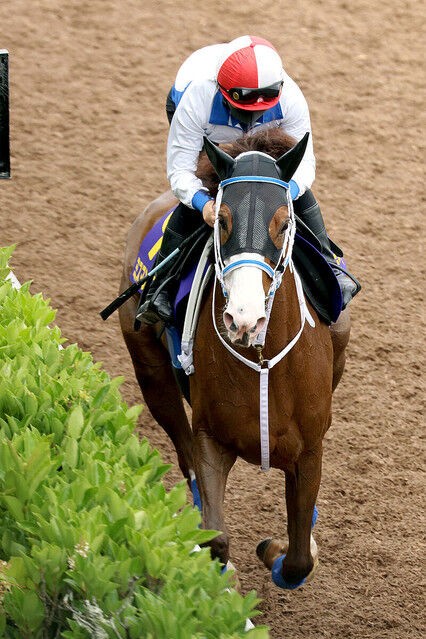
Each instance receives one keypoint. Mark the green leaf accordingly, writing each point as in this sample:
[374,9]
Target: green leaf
[26,610]
[30,403]
[71,452]
[2,623]
[201,536]
[75,422]
[14,506]
[261,632]
[133,412]
[15,482]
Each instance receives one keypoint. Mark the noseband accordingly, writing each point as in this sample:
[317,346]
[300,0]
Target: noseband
[276,274]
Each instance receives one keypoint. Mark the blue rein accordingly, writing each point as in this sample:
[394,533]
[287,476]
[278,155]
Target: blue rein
[254,178]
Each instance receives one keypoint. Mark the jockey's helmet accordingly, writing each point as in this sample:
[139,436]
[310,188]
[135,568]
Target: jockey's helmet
[250,75]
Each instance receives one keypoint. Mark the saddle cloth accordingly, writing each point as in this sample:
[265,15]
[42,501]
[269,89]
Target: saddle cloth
[147,255]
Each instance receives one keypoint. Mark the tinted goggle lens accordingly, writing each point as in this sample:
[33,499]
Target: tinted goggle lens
[248,96]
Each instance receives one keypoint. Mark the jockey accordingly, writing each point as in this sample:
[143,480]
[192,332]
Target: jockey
[224,91]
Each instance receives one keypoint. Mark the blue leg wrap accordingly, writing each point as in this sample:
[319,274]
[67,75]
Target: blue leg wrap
[277,576]
[196,495]
[314,517]
[277,566]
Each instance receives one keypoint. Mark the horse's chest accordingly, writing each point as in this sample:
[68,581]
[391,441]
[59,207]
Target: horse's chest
[227,401]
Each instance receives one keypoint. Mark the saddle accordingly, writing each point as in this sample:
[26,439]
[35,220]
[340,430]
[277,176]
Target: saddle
[320,284]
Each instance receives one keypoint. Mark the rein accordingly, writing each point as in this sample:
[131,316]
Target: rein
[285,260]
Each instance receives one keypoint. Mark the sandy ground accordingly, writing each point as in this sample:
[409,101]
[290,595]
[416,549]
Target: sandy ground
[88,84]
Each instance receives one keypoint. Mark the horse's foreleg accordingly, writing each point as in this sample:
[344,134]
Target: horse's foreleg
[296,567]
[160,391]
[164,401]
[212,465]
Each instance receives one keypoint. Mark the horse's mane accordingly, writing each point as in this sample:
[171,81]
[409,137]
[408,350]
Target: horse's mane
[274,142]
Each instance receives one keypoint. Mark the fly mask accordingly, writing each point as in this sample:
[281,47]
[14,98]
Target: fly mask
[253,191]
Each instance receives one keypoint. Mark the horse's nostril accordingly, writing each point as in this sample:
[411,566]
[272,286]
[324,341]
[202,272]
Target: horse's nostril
[260,324]
[229,322]
[253,330]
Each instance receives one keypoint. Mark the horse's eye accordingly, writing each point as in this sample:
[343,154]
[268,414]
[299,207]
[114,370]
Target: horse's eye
[222,223]
[284,226]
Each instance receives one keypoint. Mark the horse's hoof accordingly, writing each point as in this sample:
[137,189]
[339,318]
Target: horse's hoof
[261,547]
[269,549]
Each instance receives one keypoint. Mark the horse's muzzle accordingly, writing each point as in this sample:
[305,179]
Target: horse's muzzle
[240,332]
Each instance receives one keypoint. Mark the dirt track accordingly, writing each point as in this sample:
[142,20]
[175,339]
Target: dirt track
[88,83]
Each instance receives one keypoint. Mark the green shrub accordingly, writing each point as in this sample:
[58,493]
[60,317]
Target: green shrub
[91,543]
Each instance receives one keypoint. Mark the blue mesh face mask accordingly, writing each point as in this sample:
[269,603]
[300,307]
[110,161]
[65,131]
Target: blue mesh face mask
[252,206]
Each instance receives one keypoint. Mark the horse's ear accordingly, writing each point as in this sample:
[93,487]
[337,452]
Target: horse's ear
[223,163]
[288,163]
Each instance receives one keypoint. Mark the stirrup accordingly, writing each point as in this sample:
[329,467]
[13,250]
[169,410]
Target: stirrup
[155,309]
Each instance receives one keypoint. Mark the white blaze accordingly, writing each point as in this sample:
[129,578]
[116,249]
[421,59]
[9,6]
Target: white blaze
[245,310]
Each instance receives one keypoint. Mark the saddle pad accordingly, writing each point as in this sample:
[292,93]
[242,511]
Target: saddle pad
[147,255]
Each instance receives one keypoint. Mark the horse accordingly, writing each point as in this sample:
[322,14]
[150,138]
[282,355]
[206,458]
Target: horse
[225,393]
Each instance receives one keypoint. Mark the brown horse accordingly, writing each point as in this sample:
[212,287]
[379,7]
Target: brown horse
[226,394]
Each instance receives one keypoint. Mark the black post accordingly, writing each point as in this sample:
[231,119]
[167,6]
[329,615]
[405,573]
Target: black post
[4,115]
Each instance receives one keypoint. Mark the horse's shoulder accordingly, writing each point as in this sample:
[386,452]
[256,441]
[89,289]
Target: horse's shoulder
[158,207]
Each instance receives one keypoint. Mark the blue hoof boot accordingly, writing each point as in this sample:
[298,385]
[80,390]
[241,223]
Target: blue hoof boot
[278,578]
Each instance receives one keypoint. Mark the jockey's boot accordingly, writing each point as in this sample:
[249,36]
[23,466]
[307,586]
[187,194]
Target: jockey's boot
[307,208]
[158,304]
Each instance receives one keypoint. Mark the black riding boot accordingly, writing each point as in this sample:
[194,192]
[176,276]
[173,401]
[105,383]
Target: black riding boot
[158,304]
[308,210]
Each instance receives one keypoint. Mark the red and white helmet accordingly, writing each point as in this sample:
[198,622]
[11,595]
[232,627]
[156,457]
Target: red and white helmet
[250,76]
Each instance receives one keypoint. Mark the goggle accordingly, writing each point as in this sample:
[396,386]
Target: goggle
[251,96]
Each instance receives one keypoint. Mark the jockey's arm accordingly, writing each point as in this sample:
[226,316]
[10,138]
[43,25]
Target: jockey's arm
[296,122]
[184,144]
